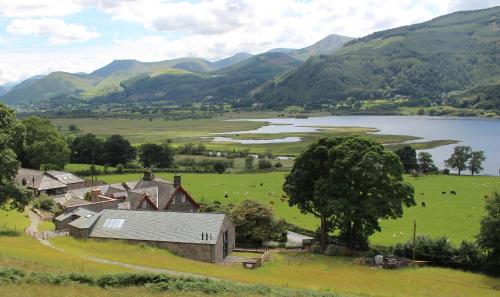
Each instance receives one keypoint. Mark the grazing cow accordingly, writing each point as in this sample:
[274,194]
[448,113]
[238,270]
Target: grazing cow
[261,184]
[225,196]
[421,193]
[453,192]
[443,192]
[423,204]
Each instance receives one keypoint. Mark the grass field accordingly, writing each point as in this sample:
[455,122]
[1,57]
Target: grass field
[456,217]
[139,131]
[298,270]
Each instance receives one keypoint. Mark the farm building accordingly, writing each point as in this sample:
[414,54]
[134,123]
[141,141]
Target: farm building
[208,237]
[149,193]
[48,182]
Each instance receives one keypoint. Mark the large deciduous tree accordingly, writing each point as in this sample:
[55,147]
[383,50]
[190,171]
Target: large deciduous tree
[155,155]
[476,162]
[408,157]
[425,163]
[43,147]
[86,149]
[11,139]
[349,183]
[489,235]
[117,150]
[459,158]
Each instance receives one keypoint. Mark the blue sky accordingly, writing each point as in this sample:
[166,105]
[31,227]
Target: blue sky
[38,37]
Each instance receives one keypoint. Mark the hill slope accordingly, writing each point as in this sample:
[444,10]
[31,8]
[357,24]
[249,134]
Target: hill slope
[222,85]
[454,52]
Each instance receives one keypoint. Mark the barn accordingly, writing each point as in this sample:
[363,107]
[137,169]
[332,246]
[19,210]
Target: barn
[208,237]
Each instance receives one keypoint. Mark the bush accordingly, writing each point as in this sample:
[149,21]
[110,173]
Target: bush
[315,248]
[445,171]
[333,250]
[44,203]
[278,165]
[264,164]
[119,168]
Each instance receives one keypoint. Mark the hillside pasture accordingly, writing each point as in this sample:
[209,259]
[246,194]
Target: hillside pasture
[455,216]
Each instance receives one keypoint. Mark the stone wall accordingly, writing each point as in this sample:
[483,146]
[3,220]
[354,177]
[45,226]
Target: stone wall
[227,225]
[179,205]
[78,233]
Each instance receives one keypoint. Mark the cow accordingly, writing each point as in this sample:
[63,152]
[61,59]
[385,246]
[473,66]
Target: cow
[423,204]
[453,192]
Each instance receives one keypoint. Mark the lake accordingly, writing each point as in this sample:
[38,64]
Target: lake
[478,133]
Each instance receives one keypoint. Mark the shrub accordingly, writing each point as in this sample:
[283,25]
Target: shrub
[445,171]
[264,164]
[315,248]
[45,203]
[278,165]
[333,250]
[119,168]
[10,275]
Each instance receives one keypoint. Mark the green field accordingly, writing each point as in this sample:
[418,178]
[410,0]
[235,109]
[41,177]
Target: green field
[456,217]
[139,131]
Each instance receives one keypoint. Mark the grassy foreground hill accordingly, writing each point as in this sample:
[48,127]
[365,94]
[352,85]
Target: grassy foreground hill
[451,53]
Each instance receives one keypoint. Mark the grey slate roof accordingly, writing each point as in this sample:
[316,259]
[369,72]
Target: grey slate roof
[42,180]
[160,226]
[65,177]
[80,212]
[86,221]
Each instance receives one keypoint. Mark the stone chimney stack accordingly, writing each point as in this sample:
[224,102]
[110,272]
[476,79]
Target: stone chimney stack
[177,180]
[95,192]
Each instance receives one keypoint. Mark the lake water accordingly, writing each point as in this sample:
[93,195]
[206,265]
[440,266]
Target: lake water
[478,133]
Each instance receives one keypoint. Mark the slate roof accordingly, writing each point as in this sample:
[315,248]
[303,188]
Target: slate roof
[65,177]
[80,212]
[42,180]
[160,226]
[85,222]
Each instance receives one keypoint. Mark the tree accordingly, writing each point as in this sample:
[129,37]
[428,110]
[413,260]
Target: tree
[72,128]
[459,158]
[475,162]
[349,183]
[117,150]
[219,166]
[408,157]
[155,155]
[489,237]
[11,138]
[425,163]
[264,164]
[249,162]
[86,149]
[255,223]
[43,147]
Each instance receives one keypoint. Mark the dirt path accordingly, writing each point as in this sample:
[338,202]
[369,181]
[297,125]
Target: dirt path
[35,220]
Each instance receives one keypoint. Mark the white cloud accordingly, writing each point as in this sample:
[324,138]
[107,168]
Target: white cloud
[38,8]
[56,30]
[207,28]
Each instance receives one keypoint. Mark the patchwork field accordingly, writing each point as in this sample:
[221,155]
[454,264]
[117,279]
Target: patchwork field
[139,131]
[455,216]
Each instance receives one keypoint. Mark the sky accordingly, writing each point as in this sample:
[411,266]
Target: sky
[42,36]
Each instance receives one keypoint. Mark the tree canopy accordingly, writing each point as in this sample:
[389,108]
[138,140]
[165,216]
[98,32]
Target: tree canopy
[425,163]
[43,147]
[11,136]
[459,158]
[408,157]
[349,183]
[489,237]
[476,162]
[117,150]
[155,155]
[86,149]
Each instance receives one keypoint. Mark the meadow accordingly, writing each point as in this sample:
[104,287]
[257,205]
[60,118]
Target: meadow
[157,130]
[454,216]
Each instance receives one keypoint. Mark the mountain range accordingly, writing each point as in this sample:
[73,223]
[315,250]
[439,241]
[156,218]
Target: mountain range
[453,58]
[175,79]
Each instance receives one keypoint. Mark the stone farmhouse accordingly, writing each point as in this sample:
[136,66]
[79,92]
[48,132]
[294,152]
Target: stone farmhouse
[208,237]
[48,182]
[148,193]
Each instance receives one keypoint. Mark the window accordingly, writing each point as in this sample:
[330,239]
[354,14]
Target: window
[183,198]
[144,205]
[113,223]
[173,200]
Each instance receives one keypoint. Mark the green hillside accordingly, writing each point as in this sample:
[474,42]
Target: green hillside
[54,84]
[225,84]
[455,52]
[326,46]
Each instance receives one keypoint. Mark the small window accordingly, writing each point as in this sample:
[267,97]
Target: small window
[113,223]
[144,205]
[183,198]
[173,200]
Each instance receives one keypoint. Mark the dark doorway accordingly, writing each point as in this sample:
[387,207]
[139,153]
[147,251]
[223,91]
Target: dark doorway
[225,242]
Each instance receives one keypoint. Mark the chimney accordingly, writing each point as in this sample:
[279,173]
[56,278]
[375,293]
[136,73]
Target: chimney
[148,175]
[177,181]
[95,192]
